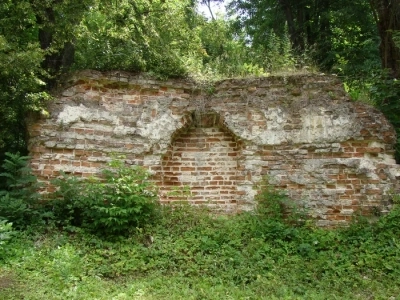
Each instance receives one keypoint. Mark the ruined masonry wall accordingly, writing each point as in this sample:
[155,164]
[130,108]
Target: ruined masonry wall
[213,144]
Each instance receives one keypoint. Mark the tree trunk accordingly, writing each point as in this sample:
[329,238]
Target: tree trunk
[387,17]
[324,46]
[60,53]
[294,34]
[57,61]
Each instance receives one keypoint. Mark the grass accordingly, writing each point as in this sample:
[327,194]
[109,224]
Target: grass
[194,255]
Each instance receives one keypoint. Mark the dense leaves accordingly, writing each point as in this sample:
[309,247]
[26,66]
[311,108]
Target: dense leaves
[19,197]
[122,199]
[137,36]
[326,30]
[189,252]
[387,18]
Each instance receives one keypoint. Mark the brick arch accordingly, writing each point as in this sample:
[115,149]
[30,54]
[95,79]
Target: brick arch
[202,164]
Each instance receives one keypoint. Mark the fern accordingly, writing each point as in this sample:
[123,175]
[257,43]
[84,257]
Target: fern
[19,199]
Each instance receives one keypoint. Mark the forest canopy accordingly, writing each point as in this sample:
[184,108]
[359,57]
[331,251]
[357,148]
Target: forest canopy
[43,40]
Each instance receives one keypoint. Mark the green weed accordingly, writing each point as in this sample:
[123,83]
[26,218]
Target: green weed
[122,199]
[19,199]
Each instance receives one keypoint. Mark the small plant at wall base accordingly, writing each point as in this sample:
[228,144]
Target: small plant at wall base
[19,200]
[276,216]
[5,235]
[183,193]
[121,200]
[274,204]
[67,201]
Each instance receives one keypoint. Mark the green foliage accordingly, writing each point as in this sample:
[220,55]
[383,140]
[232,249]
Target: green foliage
[227,52]
[21,91]
[66,203]
[223,54]
[168,39]
[273,205]
[19,199]
[6,233]
[324,31]
[385,94]
[190,253]
[21,75]
[279,55]
[150,36]
[120,201]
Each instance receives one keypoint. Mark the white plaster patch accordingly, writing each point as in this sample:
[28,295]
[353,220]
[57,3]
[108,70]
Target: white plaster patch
[324,128]
[250,192]
[368,168]
[274,133]
[299,178]
[394,171]
[387,158]
[123,130]
[151,160]
[160,129]
[73,114]
[316,127]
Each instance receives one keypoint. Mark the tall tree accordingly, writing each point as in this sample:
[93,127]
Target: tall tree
[143,35]
[56,21]
[36,45]
[21,84]
[315,27]
[387,18]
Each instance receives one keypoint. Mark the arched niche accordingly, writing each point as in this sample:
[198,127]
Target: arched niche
[202,164]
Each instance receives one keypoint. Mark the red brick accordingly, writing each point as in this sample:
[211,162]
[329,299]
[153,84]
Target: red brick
[187,169]
[47,172]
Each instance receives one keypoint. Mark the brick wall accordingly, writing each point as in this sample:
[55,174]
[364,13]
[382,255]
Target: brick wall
[205,158]
[213,144]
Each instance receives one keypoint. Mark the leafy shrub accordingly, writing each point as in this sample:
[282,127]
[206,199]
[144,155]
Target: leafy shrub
[391,222]
[274,205]
[385,93]
[66,202]
[271,203]
[122,199]
[5,234]
[19,201]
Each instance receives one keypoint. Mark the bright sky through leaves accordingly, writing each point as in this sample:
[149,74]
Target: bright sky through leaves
[218,8]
